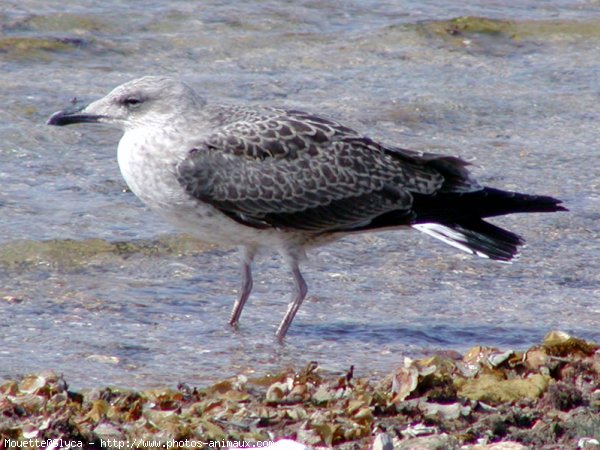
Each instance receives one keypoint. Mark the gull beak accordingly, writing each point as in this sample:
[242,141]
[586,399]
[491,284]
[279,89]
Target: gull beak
[73,115]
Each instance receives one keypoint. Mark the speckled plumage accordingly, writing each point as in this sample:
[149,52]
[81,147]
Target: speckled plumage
[286,179]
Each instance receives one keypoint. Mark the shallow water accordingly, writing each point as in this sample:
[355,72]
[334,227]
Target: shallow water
[521,95]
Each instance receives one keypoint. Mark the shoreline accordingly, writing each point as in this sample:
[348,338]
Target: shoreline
[539,398]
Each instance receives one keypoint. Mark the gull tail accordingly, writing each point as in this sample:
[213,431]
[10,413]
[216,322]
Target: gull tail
[457,220]
[477,237]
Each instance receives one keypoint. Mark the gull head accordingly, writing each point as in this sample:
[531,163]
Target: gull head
[147,101]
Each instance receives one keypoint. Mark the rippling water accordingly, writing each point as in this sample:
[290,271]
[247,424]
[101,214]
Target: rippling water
[97,287]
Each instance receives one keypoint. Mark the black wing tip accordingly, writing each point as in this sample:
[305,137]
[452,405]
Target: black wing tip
[508,202]
[547,203]
[560,207]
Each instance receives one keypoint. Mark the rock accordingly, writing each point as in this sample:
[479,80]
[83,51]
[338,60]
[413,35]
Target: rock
[308,436]
[418,429]
[490,388]
[107,431]
[277,392]
[383,441]
[437,442]
[446,412]
[508,445]
[587,442]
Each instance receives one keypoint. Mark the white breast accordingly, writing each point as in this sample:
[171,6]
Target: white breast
[147,164]
[151,176]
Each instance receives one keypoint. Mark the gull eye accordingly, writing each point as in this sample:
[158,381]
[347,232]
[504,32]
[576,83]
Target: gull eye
[132,102]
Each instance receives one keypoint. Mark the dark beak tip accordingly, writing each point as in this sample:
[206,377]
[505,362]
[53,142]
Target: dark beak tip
[68,117]
[55,119]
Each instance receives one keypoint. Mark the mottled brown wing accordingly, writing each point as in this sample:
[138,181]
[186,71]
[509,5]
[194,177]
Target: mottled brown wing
[273,133]
[276,133]
[342,185]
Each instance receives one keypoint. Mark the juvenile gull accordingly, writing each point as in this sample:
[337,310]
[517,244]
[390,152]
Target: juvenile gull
[289,180]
